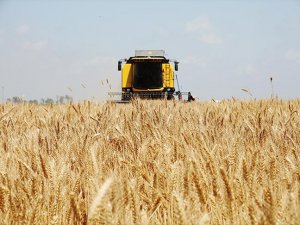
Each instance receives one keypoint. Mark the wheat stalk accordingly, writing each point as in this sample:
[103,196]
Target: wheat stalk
[98,198]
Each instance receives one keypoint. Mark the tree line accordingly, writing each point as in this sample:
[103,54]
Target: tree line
[45,101]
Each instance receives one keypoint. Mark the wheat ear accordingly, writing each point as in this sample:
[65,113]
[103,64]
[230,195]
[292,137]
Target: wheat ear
[97,200]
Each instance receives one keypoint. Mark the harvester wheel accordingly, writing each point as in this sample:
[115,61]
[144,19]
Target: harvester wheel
[126,96]
[170,97]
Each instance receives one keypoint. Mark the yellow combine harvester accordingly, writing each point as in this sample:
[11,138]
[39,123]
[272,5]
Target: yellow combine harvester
[148,74]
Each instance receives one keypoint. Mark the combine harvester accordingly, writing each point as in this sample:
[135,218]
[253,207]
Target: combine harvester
[149,75]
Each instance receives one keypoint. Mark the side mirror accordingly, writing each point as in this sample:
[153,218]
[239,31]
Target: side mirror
[119,65]
[176,65]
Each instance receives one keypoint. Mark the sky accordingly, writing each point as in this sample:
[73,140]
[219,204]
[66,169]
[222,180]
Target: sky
[50,48]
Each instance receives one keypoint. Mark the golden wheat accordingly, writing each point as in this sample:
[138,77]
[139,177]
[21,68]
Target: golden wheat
[151,162]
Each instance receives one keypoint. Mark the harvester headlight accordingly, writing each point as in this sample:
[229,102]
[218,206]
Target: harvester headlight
[168,89]
[128,89]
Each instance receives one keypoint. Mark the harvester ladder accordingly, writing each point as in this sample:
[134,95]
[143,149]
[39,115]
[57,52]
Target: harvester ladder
[167,75]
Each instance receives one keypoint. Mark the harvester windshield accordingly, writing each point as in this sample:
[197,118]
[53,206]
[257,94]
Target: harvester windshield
[147,75]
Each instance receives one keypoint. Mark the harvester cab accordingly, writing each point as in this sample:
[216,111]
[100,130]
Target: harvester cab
[148,75]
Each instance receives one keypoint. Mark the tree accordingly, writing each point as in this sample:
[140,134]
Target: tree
[34,101]
[64,99]
[49,101]
[61,99]
[69,99]
[17,99]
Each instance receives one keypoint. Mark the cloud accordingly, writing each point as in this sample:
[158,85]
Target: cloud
[22,29]
[248,70]
[210,38]
[293,55]
[202,30]
[198,24]
[195,61]
[101,60]
[36,46]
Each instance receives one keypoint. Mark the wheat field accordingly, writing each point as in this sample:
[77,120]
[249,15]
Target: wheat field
[151,162]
